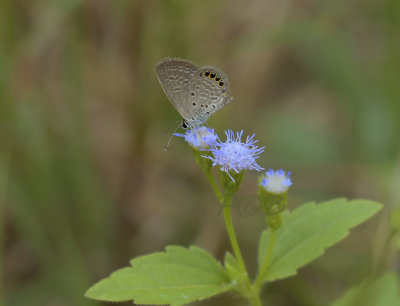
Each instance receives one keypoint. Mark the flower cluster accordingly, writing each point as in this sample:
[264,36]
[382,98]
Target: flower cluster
[235,155]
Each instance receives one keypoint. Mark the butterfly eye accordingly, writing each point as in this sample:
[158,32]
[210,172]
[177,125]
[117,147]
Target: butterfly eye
[184,124]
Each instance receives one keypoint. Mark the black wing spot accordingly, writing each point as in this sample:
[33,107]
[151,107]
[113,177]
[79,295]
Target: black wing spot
[201,105]
[206,106]
[192,93]
[208,113]
[218,78]
[221,83]
[212,75]
[207,73]
[213,105]
[194,103]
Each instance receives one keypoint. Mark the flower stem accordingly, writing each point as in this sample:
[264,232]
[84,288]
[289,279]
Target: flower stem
[255,300]
[265,265]
[249,291]
[214,186]
[231,232]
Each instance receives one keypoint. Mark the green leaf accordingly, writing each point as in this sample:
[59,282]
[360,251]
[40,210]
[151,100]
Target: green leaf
[177,276]
[309,230]
[380,292]
[236,275]
[232,266]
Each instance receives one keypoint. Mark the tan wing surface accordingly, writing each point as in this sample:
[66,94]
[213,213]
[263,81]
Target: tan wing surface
[174,75]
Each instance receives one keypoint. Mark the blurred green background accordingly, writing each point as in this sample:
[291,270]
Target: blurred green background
[85,184]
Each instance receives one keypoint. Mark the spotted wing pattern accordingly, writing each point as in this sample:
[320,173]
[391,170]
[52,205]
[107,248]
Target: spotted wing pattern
[208,92]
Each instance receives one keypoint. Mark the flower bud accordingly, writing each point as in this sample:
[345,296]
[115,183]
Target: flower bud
[272,194]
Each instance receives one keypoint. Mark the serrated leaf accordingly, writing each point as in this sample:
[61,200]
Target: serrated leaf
[177,276]
[309,230]
[383,291]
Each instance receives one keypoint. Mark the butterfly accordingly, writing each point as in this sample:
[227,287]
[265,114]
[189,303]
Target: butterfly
[196,93]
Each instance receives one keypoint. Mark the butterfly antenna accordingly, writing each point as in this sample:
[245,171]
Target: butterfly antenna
[170,138]
[172,126]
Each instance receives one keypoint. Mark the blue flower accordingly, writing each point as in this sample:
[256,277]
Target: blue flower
[200,137]
[276,181]
[235,155]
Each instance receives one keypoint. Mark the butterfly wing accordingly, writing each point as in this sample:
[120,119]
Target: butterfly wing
[174,75]
[208,92]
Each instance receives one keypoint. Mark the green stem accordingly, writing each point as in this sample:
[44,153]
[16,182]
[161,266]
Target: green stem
[250,293]
[226,204]
[214,186]
[255,300]
[231,232]
[265,265]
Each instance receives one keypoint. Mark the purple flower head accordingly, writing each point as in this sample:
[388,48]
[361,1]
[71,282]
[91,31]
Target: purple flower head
[200,137]
[235,155]
[276,181]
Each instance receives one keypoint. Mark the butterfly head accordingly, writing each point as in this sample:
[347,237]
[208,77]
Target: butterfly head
[184,124]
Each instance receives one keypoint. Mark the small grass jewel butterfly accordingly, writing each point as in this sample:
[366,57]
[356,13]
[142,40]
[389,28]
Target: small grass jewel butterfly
[196,93]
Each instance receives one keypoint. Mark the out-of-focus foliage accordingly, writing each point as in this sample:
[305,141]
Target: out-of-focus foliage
[85,184]
[384,291]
